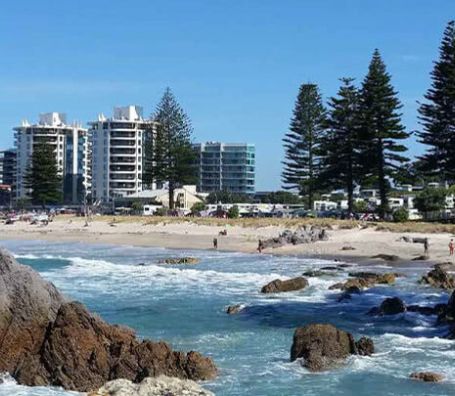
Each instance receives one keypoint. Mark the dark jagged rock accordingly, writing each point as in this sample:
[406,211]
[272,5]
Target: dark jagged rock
[436,310]
[365,346]
[390,306]
[427,376]
[307,234]
[46,340]
[331,268]
[278,285]
[348,248]
[323,346]
[423,257]
[439,278]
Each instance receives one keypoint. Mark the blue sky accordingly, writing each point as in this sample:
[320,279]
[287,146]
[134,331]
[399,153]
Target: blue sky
[235,66]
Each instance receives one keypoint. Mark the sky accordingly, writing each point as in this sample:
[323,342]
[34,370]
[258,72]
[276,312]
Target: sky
[234,65]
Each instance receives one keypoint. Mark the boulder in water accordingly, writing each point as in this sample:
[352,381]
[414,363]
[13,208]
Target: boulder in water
[390,306]
[278,285]
[386,257]
[234,309]
[427,376]
[364,346]
[49,341]
[439,278]
[323,346]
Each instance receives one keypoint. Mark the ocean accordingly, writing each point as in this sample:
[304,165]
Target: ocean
[185,306]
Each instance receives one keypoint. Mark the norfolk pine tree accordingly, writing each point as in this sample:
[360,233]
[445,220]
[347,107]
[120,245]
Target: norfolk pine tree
[437,114]
[340,146]
[169,154]
[42,176]
[381,131]
[302,143]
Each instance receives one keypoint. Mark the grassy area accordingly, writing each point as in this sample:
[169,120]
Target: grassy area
[415,227]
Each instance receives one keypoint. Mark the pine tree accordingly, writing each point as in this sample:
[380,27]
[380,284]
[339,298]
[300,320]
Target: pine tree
[302,143]
[169,154]
[42,176]
[340,146]
[381,131]
[437,115]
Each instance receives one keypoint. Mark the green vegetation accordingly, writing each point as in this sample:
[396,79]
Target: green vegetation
[437,114]
[197,207]
[227,197]
[233,212]
[401,215]
[170,155]
[302,143]
[431,200]
[42,176]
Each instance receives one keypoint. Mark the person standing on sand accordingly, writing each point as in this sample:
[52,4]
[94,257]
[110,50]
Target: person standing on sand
[451,247]
[426,246]
[260,246]
[215,243]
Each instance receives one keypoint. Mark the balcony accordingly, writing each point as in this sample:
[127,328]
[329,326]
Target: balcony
[122,168]
[122,160]
[123,151]
[117,177]
[123,135]
[122,185]
[123,143]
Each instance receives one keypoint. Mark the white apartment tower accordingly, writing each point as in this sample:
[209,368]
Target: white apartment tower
[118,152]
[72,153]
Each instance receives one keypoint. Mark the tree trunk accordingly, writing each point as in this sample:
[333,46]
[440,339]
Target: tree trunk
[171,195]
[350,187]
[382,182]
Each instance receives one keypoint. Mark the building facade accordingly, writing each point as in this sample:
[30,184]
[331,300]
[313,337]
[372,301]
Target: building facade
[7,176]
[226,167]
[118,153]
[72,149]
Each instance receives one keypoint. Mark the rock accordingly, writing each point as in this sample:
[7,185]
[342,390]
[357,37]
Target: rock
[365,280]
[302,235]
[390,306]
[439,278]
[284,286]
[427,376]
[423,257]
[348,248]
[323,346]
[446,266]
[180,260]
[386,257]
[49,341]
[436,310]
[365,346]
[160,386]
[234,309]
[331,268]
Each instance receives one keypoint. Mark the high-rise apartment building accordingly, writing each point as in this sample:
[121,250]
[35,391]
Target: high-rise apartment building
[71,145]
[118,152]
[8,167]
[226,166]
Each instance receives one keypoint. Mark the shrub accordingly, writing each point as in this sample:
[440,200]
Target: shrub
[233,212]
[198,207]
[360,206]
[400,215]
[430,200]
[161,212]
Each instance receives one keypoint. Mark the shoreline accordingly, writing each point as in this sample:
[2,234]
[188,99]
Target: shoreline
[362,243]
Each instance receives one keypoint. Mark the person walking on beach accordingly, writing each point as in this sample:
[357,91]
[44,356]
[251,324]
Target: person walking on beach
[426,246]
[260,246]
[215,243]
[451,247]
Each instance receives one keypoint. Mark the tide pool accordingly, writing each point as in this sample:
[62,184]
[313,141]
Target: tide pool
[185,306]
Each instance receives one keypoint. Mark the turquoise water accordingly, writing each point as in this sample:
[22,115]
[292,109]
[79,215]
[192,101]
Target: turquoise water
[186,307]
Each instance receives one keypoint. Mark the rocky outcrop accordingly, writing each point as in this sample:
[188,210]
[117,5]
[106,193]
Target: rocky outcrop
[439,278]
[427,376]
[323,346]
[180,260]
[278,285]
[307,234]
[390,306]
[45,340]
[160,386]
[365,280]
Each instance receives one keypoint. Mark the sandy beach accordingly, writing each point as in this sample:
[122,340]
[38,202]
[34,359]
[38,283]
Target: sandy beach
[357,243]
